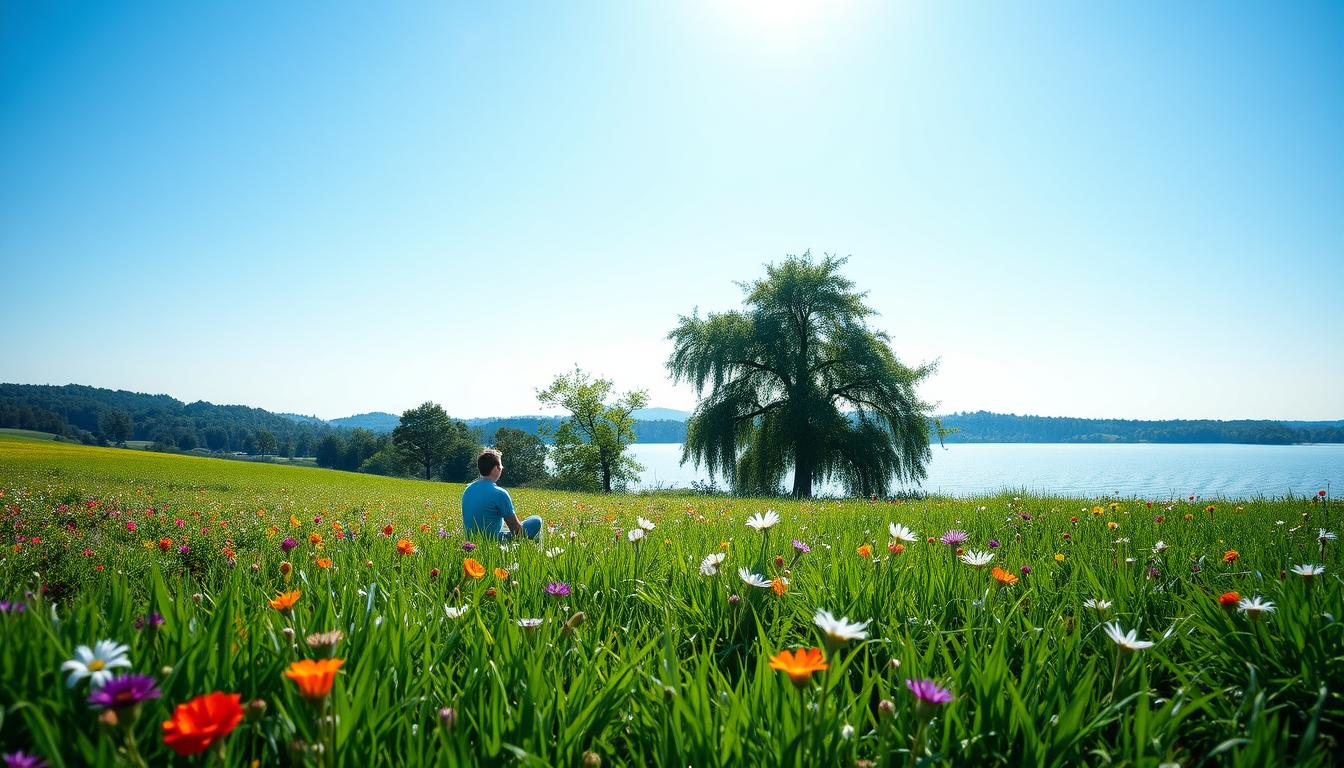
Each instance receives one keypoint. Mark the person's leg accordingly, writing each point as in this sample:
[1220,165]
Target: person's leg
[532,527]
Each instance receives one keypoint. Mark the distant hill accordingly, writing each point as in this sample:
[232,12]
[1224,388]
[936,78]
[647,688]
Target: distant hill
[986,427]
[376,421]
[661,414]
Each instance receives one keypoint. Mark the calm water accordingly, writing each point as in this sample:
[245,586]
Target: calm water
[1142,470]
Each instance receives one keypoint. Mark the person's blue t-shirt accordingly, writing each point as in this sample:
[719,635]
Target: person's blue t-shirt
[485,506]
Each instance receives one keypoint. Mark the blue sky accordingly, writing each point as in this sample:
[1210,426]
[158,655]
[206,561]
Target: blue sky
[1133,210]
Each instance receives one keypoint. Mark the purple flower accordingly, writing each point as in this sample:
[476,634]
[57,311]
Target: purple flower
[1025,569]
[184,549]
[928,697]
[993,543]
[557,589]
[152,620]
[467,546]
[22,759]
[953,538]
[14,607]
[288,544]
[800,547]
[1025,516]
[124,691]
[443,532]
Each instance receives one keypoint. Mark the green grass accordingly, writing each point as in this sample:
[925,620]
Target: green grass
[667,667]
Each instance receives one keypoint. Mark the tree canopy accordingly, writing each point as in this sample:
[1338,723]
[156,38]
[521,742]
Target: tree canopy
[590,445]
[425,437]
[796,380]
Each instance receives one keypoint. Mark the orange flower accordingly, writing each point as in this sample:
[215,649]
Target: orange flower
[199,723]
[314,538]
[865,551]
[800,664]
[405,547]
[314,678]
[229,553]
[285,601]
[779,585]
[1230,555]
[501,573]
[473,569]
[1229,600]
[387,529]
[1004,578]
[165,543]
[896,549]
[324,562]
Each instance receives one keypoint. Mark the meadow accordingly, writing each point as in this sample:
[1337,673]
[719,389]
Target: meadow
[272,615]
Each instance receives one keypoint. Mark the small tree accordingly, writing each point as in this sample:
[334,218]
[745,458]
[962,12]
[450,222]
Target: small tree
[592,441]
[524,456]
[330,451]
[459,463]
[424,436]
[265,441]
[116,426]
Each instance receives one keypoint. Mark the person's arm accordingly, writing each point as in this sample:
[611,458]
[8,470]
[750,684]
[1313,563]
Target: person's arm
[506,512]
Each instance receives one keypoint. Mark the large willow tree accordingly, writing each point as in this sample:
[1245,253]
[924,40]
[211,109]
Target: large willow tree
[797,380]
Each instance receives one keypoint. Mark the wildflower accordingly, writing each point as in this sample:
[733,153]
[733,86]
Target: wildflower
[124,691]
[314,538]
[865,550]
[896,549]
[199,723]
[405,547]
[467,546]
[285,567]
[152,620]
[901,533]
[323,562]
[387,529]
[1112,525]
[1097,605]
[1230,555]
[324,642]
[1059,557]
[455,612]
[763,521]
[285,601]
[1024,570]
[530,624]
[473,569]
[839,631]
[928,696]
[1004,578]
[165,544]
[644,523]
[799,665]
[953,538]
[1323,535]
[1127,641]
[557,589]
[448,718]
[288,544]
[779,585]
[993,543]
[800,547]
[753,579]
[1159,547]
[555,552]
[1254,606]
[314,677]
[977,558]
[1308,571]
[1229,600]
[710,565]
[96,663]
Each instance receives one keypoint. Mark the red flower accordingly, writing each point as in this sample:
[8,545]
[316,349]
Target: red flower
[199,723]
[1229,600]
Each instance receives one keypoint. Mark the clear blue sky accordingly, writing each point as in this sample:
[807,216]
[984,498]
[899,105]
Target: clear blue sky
[1131,210]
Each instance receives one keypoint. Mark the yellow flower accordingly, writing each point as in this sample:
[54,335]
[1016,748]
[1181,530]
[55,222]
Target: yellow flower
[1059,556]
[1112,525]
[294,522]
[501,573]
[1097,510]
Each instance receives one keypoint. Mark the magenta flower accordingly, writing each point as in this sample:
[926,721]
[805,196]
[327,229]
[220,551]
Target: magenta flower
[184,549]
[993,543]
[152,619]
[288,544]
[22,759]
[11,607]
[1025,569]
[124,691]
[800,547]
[557,589]
[467,546]
[953,538]
[928,697]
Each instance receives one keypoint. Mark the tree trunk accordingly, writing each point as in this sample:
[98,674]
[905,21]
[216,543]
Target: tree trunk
[428,466]
[802,479]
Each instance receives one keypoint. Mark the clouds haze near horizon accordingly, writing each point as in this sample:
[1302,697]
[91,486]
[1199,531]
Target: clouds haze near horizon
[1129,211]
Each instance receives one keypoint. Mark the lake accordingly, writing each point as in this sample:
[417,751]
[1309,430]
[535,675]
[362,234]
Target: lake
[1141,470]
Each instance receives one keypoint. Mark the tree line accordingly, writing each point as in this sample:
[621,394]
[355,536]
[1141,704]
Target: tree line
[985,427]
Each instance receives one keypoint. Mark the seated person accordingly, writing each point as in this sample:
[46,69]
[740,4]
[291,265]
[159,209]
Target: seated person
[487,509]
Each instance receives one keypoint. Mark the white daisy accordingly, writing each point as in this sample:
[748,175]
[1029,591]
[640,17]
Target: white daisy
[455,613]
[530,623]
[710,565]
[555,552]
[763,520]
[1324,535]
[635,534]
[1128,641]
[1159,547]
[753,579]
[1254,606]
[1308,571]
[1096,604]
[96,663]
[901,533]
[645,523]
[977,558]
[839,631]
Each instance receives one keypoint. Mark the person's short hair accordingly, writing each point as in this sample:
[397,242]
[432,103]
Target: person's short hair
[488,460]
